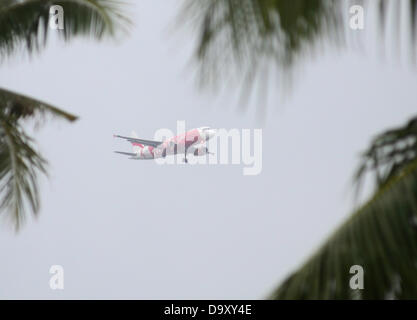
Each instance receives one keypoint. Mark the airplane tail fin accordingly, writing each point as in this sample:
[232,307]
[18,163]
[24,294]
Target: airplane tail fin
[136,146]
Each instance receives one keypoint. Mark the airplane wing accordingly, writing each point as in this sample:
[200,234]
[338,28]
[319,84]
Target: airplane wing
[141,141]
[126,153]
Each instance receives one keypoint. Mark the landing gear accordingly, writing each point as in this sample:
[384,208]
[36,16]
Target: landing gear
[185,158]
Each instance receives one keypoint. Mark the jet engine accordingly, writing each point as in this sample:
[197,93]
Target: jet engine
[201,151]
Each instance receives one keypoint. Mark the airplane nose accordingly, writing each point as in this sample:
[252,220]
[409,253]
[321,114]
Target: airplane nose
[210,134]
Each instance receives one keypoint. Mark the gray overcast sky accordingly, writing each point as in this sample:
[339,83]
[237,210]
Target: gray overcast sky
[134,229]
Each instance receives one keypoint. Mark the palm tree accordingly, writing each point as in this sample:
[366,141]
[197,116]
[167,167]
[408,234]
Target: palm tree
[381,236]
[24,24]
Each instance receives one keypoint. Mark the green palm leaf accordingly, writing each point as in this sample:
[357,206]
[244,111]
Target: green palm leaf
[19,106]
[20,163]
[381,236]
[389,154]
[26,22]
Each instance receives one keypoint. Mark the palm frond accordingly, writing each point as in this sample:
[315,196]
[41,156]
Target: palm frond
[243,33]
[25,23]
[19,106]
[243,38]
[388,155]
[381,237]
[19,168]
[20,163]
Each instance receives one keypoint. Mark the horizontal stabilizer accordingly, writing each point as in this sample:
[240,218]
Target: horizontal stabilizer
[126,153]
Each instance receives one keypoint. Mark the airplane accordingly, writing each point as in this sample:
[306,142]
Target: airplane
[192,141]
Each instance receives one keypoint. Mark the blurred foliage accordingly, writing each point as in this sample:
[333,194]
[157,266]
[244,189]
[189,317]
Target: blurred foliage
[27,22]
[24,25]
[249,38]
[389,153]
[381,236]
[241,35]
[19,161]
